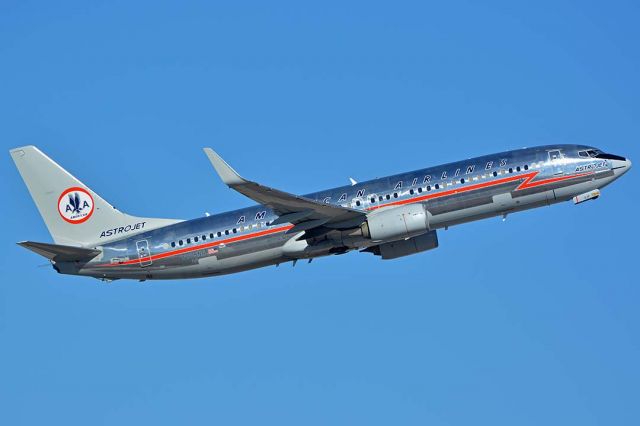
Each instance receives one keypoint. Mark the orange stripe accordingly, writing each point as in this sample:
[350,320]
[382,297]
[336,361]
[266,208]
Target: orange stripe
[527,183]
[202,246]
[524,185]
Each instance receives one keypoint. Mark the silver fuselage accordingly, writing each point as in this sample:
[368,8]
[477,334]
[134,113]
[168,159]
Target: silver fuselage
[454,193]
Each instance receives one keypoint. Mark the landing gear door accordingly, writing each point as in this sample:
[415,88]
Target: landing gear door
[144,255]
[556,161]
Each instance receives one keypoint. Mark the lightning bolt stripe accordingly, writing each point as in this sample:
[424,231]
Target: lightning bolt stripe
[527,182]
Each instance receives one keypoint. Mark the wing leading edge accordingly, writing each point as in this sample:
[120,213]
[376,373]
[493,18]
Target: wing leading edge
[303,212]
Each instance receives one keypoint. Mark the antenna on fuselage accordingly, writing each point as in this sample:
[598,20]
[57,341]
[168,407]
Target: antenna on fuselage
[353,181]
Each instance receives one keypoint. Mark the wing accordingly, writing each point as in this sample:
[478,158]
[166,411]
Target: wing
[303,212]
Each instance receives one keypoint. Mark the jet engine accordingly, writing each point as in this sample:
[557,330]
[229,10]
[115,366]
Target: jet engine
[396,223]
[401,248]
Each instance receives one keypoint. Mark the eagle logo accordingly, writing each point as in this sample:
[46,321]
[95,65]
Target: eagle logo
[74,202]
[75,205]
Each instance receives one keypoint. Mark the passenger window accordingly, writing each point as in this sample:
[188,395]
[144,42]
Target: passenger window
[526,167]
[518,169]
[173,243]
[211,236]
[510,170]
[358,203]
[188,240]
[226,232]
[495,174]
[195,239]
[462,180]
[388,197]
[373,200]
[380,198]
[180,242]
[411,191]
[419,190]
[395,195]
[428,187]
[219,234]
[437,186]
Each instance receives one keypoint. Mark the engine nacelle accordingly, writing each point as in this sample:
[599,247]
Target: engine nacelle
[402,248]
[396,223]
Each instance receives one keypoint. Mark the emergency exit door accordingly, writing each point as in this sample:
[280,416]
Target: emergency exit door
[556,161]
[144,255]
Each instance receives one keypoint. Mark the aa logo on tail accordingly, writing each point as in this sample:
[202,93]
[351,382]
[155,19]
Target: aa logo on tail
[75,205]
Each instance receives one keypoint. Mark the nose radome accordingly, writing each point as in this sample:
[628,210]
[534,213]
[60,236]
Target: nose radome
[621,166]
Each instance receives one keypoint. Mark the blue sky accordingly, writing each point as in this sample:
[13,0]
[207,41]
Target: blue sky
[532,321]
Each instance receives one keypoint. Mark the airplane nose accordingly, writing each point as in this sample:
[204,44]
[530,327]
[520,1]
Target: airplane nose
[621,166]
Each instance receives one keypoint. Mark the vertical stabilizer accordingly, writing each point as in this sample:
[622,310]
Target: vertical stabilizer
[74,214]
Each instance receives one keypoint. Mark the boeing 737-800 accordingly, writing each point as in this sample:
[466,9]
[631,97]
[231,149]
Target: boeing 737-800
[390,217]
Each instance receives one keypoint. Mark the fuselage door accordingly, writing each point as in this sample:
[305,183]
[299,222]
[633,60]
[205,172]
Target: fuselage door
[144,255]
[556,161]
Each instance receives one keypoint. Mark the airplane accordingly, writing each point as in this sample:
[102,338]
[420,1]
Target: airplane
[390,217]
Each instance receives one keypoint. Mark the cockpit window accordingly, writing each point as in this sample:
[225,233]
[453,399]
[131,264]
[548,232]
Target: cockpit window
[596,153]
[604,156]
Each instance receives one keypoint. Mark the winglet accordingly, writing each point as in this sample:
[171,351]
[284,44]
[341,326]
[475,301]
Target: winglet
[229,176]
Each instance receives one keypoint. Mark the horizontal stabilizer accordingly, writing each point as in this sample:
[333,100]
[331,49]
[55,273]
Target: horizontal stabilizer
[59,253]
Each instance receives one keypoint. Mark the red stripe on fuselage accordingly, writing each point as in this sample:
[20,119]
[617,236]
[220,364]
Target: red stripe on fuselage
[203,246]
[528,177]
[527,183]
